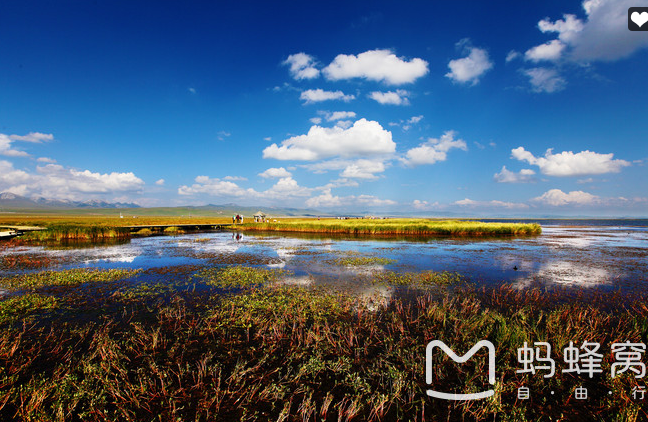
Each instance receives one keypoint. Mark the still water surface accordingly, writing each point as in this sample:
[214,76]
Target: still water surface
[585,254]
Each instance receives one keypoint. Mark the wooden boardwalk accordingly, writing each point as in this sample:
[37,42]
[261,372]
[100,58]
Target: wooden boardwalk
[161,227]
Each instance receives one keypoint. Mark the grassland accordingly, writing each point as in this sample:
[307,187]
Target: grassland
[293,354]
[401,226]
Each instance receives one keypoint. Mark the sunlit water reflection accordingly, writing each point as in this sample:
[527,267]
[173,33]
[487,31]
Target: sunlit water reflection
[607,257]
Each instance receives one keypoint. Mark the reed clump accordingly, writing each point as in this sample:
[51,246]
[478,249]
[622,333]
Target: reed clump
[403,226]
[296,354]
[62,232]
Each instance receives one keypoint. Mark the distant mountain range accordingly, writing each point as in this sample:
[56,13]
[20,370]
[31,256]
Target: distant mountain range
[11,201]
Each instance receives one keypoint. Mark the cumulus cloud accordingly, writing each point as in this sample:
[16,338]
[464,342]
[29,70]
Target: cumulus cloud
[55,181]
[507,176]
[318,95]
[602,36]
[470,68]
[363,138]
[275,173]
[350,169]
[214,187]
[160,182]
[301,66]
[46,160]
[545,80]
[567,163]
[234,178]
[327,200]
[398,97]
[434,150]
[6,147]
[556,197]
[376,65]
[285,188]
[550,51]
[315,120]
[363,169]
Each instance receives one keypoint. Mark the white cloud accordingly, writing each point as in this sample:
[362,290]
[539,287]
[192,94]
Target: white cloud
[370,200]
[46,160]
[363,138]
[414,119]
[398,97]
[55,181]
[302,66]
[512,55]
[160,182]
[222,135]
[285,188]
[424,205]
[602,36]
[192,90]
[556,197]
[234,178]
[325,199]
[470,68]
[350,169]
[35,137]
[490,204]
[275,173]
[376,65]
[6,149]
[569,164]
[344,124]
[316,120]
[60,182]
[507,176]
[268,138]
[363,169]
[550,50]
[318,95]
[568,28]
[434,150]
[338,115]
[545,80]
[214,187]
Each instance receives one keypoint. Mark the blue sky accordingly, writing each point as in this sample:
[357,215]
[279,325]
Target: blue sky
[484,108]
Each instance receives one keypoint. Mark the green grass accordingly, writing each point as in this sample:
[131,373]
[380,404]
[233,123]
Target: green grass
[403,226]
[70,277]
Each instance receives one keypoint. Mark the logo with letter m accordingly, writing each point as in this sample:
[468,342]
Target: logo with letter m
[460,359]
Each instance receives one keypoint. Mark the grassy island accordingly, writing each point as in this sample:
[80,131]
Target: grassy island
[400,226]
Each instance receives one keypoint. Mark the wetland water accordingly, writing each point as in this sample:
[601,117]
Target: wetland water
[605,254]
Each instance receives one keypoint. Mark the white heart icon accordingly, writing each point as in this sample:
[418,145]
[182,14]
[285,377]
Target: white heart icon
[639,18]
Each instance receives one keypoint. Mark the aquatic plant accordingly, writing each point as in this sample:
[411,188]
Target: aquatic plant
[239,276]
[401,226]
[356,261]
[71,277]
[24,306]
[297,354]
